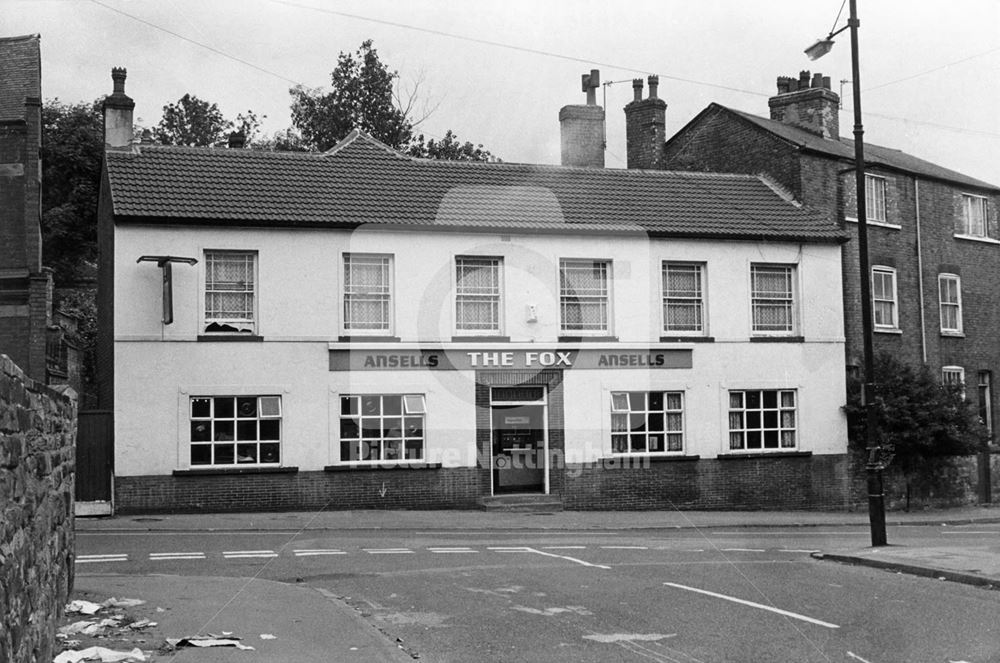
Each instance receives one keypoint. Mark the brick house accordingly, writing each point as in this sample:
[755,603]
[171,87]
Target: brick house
[933,233]
[36,341]
[362,329]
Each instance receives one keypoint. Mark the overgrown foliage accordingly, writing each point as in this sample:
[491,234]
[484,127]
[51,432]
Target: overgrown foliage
[198,123]
[450,148]
[918,419]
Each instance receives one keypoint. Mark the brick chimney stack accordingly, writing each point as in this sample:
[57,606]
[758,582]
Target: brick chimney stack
[118,109]
[809,103]
[582,128]
[645,127]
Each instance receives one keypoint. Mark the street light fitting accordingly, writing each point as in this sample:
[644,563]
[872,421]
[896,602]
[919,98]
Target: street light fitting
[819,49]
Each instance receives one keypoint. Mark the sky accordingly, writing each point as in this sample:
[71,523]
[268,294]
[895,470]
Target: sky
[497,72]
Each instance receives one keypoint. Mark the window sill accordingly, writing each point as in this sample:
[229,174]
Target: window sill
[687,339]
[213,471]
[880,224]
[230,338]
[777,339]
[974,238]
[895,330]
[953,334]
[356,467]
[764,454]
[588,339]
[368,339]
[653,458]
[485,338]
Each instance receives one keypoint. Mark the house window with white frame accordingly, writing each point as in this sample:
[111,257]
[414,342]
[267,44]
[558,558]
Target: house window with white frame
[974,221]
[477,295]
[647,422]
[584,296]
[885,313]
[230,292]
[953,376]
[772,292]
[235,430]
[367,293]
[683,298]
[875,188]
[382,427]
[950,299]
[762,419]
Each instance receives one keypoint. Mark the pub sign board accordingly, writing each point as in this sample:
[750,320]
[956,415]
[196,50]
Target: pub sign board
[460,360]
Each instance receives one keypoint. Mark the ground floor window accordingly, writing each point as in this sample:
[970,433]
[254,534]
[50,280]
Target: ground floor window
[762,419]
[235,430]
[382,427]
[647,422]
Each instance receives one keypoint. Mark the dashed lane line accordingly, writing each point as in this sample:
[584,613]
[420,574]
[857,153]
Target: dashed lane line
[91,559]
[249,554]
[625,547]
[760,606]
[453,550]
[163,557]
[316,552]
[388,551]
[564,547]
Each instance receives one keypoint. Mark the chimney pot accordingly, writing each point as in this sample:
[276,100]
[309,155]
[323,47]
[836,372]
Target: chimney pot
[654,82]
[803,80]
[118,80]
[784,83]
[117,110]
[817,80]
[636,89]
[826,82]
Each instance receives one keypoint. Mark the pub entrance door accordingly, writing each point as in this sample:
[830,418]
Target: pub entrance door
[519,439]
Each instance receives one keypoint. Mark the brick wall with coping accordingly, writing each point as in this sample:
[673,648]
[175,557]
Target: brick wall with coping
[37,468]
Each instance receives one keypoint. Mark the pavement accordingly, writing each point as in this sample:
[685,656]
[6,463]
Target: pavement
[318,626]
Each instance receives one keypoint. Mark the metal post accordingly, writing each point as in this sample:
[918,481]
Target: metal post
[876,498]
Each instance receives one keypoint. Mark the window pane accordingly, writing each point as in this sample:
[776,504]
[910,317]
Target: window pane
[246,453]
[223,431]
[270,453]
[619,402]
[270,429]
[246,430]
[349,405]
[201,407]
[225,454]
[201,431]
[224,408]
[201,454]
[246,407]
[349,429]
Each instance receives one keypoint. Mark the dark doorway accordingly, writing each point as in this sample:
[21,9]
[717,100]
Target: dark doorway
[519,440]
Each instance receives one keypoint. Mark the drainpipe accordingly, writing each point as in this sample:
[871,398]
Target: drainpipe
[920,275]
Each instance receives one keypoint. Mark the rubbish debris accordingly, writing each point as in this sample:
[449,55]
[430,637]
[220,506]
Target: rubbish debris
[82,607]
[209,640]
[102,654]
[268,636]
[140,624]
[122,603]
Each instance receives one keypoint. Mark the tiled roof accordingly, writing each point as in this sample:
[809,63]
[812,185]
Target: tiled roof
[361,181]
[20,74]
[874,154]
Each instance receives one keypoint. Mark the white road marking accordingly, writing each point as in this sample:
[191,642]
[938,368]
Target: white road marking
[779,611]
[312,552]
[512,549]
[625,547]
[455,550]
[388,551]
[249,554]
[567,558]
[965,532]
[90,559]
[857,658]
[793,550]
[629,637]
[157,557]
[742,550]
[564,547]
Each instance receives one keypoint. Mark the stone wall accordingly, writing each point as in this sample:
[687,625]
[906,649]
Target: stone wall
[37,468]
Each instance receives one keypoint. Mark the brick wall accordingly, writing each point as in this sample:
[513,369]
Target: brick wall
[582,136]
[452,488]
[756,483]
[953,481]
[37,433]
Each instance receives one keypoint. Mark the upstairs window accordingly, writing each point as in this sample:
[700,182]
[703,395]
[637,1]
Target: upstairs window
[884,310]
[950,301]
[974,218]
[683,298]
[584,299]
[772,298]
[367,293]
[230,292]
[875,188]
[953,376]
[477,295]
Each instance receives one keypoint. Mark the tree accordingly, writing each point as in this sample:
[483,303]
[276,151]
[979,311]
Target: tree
[361,97]
[449,148]
[196,122]
[72,149]
[918,419]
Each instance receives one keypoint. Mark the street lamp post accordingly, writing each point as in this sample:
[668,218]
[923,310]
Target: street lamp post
[876,499]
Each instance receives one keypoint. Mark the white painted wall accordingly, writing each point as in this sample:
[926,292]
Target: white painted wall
[299,311]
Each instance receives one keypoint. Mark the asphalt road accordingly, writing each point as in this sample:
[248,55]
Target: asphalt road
[664,595]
